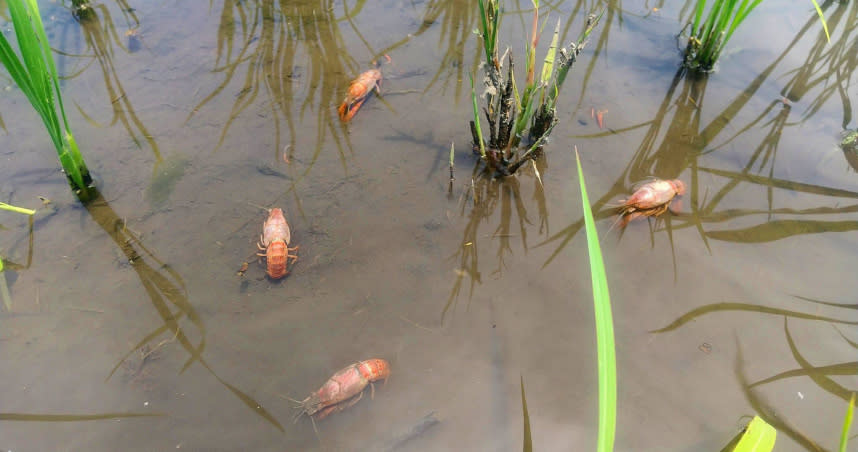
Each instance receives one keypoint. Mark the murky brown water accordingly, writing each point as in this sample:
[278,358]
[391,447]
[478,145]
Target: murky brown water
[134,306]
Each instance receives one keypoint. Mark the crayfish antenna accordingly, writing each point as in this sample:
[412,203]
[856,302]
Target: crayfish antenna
[313,421]
[611,228]
[297,416]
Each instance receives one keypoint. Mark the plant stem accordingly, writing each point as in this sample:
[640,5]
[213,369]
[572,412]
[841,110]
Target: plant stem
[11,208]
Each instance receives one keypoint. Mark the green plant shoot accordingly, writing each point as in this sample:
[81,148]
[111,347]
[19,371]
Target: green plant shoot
[847,423]
[606,353]
[477,118]
[36,75]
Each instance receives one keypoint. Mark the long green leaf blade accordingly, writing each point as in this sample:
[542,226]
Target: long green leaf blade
[604,327]
[847,423]
[821,19]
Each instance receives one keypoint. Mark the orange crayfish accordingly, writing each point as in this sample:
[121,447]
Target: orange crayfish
[650,199]
[359,91]
[275,242]
[344,388]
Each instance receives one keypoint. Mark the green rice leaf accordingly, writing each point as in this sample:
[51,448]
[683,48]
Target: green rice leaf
[847,423]
[36,75]
[477,117]
[607,360]
[11,208]
[698,15]
[821,19]
[759,436]
[548,63]
[485,32]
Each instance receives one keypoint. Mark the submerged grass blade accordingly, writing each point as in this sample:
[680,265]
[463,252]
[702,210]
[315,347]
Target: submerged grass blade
[527,445]
[30,417]
[4,289]
[604,327]
[847,422]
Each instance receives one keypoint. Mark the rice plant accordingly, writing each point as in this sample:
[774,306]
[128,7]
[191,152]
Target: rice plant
[605,347]
[519,123]
[708,37]
[36,75]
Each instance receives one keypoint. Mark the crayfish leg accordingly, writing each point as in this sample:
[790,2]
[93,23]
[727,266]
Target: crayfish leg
[293,256]
[325,412]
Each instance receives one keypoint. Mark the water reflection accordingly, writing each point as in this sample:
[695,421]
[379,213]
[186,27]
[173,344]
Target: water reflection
[821,375]
[481,199]
[281,44]
[677,137]
[167,293]
[763,409]
[101,37]
[458,20]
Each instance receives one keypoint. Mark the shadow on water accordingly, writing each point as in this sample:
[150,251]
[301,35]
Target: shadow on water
[166,291]
[684,139]
[818,374]
[485,196]
[102,38]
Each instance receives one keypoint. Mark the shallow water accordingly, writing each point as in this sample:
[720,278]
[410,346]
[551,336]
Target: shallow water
[133,305]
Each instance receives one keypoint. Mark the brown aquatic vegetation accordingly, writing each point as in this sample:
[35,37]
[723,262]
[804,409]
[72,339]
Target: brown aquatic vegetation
[275,242]
[650,199]
[344,388]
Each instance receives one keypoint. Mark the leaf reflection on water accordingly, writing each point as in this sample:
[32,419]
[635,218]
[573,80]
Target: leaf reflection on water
[685,139]
[485,194]
[765,411]
[818,374]
[100,36]
[165,287]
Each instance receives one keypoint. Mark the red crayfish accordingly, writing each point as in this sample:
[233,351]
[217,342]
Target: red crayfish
[275,242]
[359,91]
[344,388]
[650,199]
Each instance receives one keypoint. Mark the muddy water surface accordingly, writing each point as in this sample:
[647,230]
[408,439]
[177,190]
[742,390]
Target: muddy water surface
[194,118]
